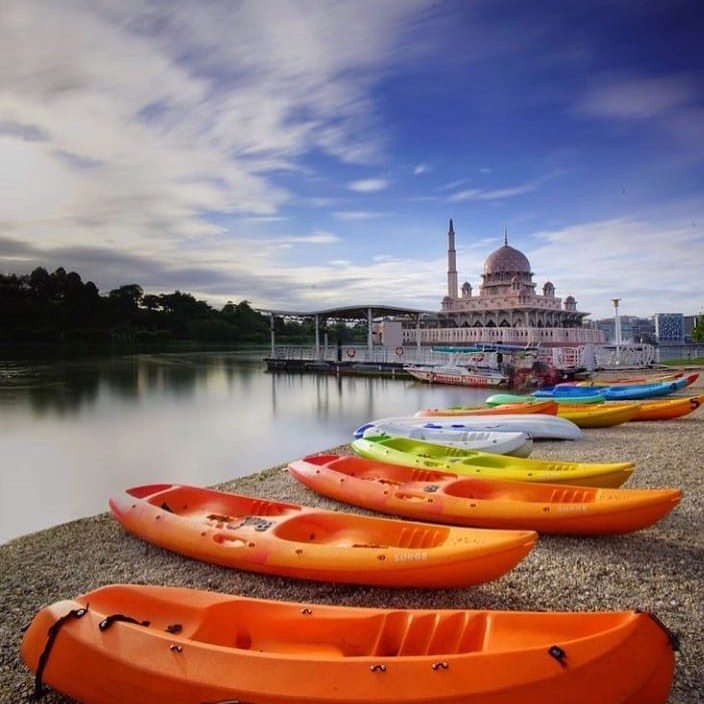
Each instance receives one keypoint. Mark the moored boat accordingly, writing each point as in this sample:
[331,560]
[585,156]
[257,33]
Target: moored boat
[136,644]
[456,375]
[416,453]
[444,497]
[273,537]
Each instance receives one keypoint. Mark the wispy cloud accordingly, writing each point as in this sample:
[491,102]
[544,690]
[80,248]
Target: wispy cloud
[637,98]
[157,99]
[488,194]
[351,215]
[369,185]
[479,194]
[313,238]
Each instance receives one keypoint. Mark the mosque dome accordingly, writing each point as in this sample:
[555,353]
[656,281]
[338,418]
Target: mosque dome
[507,259]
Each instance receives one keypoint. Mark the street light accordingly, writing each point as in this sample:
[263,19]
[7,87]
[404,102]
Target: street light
[617,329]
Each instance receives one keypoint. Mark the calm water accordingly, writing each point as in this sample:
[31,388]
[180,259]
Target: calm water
[73,432]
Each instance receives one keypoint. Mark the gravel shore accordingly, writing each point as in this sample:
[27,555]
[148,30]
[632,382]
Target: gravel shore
[660,569]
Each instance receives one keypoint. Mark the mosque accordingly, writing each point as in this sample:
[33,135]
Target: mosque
[507,308]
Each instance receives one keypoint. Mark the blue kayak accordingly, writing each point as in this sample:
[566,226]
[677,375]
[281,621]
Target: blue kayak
[633,392]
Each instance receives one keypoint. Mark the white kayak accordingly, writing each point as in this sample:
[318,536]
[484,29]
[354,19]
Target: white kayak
[516,443]
[538,425]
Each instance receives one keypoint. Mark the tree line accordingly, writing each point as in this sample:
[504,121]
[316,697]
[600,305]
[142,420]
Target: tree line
[43,307]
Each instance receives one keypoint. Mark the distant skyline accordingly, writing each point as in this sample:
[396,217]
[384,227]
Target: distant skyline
[310,153]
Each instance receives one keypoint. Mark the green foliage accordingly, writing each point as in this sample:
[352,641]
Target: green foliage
[690,362]
[49,308]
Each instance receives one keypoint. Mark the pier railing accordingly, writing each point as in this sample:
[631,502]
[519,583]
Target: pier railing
[587,357]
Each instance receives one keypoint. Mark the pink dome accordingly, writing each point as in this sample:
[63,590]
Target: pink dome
[506,259]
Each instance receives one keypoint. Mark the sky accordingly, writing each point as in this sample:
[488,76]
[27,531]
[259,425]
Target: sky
[305,154]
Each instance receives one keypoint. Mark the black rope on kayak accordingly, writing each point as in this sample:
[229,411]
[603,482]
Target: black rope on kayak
[165,507]
[39,689]
[558,653]
[174,628]
[671,636]
[109,620]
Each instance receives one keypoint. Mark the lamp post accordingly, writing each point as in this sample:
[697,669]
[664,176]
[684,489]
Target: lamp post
[617,329]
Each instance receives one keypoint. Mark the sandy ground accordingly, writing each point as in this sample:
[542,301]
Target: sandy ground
[660,569]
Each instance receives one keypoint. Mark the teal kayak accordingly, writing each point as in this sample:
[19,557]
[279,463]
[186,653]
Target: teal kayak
[500,399]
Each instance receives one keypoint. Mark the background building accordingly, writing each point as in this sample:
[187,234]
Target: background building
[634,330]
[669,328]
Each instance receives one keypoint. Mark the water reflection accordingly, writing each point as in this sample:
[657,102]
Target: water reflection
[67,386]
[73,432]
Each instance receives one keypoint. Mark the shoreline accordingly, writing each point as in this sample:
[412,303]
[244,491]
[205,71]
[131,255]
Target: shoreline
[660,569]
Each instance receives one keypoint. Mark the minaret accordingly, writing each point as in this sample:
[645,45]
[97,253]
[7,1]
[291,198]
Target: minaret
[451,263]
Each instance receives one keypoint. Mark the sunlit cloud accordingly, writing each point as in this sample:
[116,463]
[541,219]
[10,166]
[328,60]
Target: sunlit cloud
[621,256]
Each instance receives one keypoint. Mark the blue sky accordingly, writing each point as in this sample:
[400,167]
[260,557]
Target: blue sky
[310,153]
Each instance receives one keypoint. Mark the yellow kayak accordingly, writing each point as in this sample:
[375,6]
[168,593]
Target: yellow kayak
[417,453]
[598,415]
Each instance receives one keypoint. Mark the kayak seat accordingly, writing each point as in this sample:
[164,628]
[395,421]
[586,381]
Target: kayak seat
[363,532]
[404,633]
[572,495]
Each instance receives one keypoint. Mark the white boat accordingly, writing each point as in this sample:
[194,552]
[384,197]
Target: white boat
[518,443]
[457,375]
[538,425]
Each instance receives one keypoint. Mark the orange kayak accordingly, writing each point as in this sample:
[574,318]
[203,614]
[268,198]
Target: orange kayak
[132,644]
[285,539]
[547,406]
[598,415]
[668,408]
[631,380]
[443,497]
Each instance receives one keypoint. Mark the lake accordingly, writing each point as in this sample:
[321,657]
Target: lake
[74,431]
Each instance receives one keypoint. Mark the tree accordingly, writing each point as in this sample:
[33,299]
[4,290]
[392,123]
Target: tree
[60,306]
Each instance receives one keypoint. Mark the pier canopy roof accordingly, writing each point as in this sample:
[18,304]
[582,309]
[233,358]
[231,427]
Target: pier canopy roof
[356,312]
